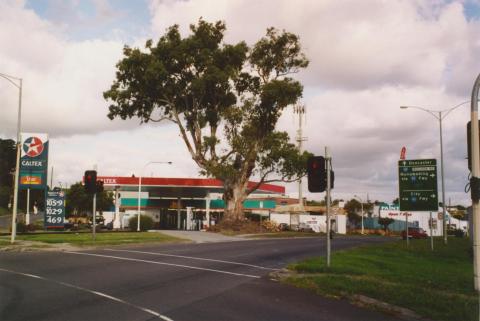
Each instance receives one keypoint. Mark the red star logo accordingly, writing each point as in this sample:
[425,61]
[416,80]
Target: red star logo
[33,146]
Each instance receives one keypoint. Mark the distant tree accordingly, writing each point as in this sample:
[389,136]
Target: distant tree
[5,196]
[79,203]
[7,161]
[315,203]
[7,167]
[354,218]
[352,206]
[385,222]
[225,99]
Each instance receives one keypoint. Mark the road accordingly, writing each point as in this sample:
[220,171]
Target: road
[180,282]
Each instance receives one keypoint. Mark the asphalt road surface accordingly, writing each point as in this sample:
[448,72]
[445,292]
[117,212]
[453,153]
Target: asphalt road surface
[180,282]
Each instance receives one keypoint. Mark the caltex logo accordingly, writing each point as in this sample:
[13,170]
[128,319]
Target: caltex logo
[33,146]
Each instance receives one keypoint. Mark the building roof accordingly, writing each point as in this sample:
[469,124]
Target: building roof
[193,187]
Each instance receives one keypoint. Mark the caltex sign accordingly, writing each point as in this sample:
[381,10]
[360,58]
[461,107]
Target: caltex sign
[34,161]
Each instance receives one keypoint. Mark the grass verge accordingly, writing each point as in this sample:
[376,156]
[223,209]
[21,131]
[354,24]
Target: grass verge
[437,285]
[285,234]
[103,238]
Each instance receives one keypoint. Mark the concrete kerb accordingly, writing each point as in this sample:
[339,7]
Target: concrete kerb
[358,300]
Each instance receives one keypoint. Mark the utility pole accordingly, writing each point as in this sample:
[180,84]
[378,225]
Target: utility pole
[94,215]
[300,110]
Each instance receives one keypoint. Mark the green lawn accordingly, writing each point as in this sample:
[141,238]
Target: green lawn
[286,234]
[437,285]
[103,238]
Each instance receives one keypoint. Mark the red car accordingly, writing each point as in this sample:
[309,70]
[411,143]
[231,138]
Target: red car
[415,233]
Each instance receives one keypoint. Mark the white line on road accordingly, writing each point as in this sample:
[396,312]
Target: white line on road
[163,263]
[91,292]
[195,258]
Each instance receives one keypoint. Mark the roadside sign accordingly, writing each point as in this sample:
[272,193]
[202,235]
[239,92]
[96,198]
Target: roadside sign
[417,180]
[33,161]
[54,209]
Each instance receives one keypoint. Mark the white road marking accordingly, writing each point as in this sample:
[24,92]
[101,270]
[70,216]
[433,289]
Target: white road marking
[165,318]
[196,258]
[163,263]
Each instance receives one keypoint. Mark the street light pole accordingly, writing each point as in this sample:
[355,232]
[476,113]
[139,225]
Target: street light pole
[17,167]
[444,225]
[140,190]
[440,115]
[361,204]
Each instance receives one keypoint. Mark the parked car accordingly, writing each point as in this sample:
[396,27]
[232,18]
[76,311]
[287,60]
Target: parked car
[414,233]
[284,227]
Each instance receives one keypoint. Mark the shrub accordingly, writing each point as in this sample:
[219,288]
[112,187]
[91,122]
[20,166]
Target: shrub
[458,233]
[22,227]
[271,226]
[146,223]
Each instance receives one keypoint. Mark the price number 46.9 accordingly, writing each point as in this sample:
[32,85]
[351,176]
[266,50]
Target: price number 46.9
[54,219]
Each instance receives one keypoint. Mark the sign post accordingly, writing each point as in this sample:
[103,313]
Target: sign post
[327,203]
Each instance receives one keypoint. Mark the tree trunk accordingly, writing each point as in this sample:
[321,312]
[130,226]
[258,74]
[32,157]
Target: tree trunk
[234,196]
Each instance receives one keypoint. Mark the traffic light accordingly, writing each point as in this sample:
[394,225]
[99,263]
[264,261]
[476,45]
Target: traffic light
[90,182]
[317,175]
[99,187]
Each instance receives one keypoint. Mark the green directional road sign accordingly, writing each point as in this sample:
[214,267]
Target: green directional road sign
[417,180]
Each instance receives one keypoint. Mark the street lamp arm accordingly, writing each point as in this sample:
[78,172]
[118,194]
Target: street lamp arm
[447,111]
[9,78]
[434,113]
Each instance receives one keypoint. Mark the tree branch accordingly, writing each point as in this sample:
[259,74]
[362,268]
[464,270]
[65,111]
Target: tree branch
[161,119]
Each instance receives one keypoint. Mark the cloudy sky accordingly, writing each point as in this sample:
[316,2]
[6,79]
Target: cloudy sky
[367,58]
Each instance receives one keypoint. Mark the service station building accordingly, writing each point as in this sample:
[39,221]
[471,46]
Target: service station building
[182,203]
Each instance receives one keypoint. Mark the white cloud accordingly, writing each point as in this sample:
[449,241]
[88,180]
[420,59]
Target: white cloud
[367,58]
[351,44]
[63,81]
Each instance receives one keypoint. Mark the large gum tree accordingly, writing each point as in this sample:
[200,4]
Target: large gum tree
[226,100]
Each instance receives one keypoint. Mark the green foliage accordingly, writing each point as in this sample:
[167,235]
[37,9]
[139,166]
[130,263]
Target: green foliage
[7,161]
[458,233]
[22,227]
[79,203]
[146,223]
[352,206]
[102,238]
[4,211]
[7,168]
[385,222]
[5,194]
[354,217]
[213,90]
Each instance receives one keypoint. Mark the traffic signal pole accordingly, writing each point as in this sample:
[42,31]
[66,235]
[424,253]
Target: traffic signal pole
[94,216]
[327,202]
